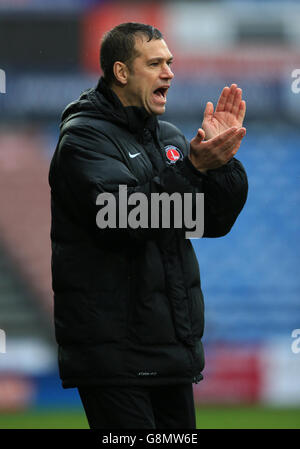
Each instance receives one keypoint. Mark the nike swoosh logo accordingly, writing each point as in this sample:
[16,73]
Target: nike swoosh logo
[133,155]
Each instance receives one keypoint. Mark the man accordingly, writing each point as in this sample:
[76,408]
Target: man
[128,303]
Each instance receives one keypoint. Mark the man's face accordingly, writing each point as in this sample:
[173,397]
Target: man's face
[150,76]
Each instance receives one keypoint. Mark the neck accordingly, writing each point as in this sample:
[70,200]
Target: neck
[119,91]
[125,97]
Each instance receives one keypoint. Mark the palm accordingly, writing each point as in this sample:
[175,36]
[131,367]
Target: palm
[230,111]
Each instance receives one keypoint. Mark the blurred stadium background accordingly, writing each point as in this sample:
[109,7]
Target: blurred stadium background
[251,282]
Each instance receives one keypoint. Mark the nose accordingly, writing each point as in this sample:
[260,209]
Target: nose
[167,73]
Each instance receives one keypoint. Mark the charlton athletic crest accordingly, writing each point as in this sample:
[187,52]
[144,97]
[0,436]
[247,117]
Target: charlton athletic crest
[173,154]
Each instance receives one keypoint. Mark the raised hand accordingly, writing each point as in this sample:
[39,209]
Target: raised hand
[217,151]
[230,111]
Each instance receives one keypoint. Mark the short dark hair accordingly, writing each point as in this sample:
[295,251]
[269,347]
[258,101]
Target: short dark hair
[118,45]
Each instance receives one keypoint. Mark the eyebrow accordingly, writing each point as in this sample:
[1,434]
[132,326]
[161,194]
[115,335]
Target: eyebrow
[161,59]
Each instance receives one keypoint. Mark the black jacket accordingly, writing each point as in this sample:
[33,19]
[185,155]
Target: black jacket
[128,303]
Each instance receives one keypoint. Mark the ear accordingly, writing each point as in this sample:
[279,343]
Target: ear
[121,72]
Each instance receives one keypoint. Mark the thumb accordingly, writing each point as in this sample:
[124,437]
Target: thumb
[200,135]
[209,110]
[198,138]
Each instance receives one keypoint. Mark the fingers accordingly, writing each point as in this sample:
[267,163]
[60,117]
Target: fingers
[226,100]
[233,144]
[222,99]
[230,98]
[230,101]
[236,102]
[223,137]
[241,111]
[228,141]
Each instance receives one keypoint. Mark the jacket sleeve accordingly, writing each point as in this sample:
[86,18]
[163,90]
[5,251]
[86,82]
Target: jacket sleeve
[225,193]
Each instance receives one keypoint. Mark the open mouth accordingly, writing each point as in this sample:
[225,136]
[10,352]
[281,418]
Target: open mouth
[161,94]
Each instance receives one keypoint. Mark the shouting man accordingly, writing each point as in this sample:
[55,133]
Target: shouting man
[129,313]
